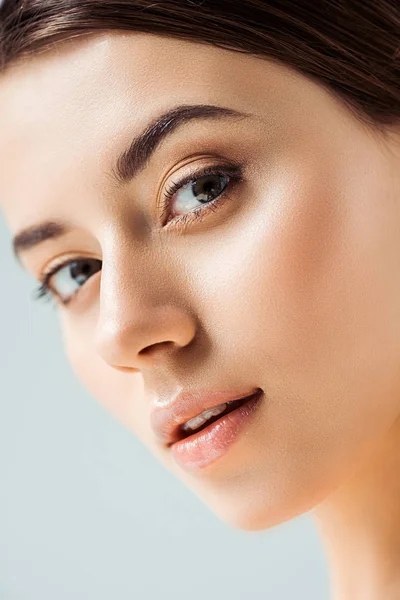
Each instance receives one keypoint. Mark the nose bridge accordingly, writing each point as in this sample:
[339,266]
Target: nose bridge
[140,317]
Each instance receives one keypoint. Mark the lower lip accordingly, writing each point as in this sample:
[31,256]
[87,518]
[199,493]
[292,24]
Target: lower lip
[205,447]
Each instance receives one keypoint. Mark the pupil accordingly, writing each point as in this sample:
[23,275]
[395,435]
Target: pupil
[80,269]
[208,188]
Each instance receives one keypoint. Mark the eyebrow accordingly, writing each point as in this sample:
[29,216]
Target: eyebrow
[35,234]
[130,163]
[133,160]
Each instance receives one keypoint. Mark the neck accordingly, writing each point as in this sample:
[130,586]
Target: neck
[359,526]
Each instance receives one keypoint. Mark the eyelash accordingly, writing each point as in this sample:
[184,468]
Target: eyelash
[235,174]
[43,291]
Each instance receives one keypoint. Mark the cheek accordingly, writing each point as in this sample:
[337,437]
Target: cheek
[304,291]
[301,302]
[121,394]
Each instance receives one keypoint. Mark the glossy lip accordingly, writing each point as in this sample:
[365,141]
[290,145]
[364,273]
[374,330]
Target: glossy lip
[203,448]
[166,420]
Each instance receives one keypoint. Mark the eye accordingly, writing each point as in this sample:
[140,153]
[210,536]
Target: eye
[65,279]
[201,191]
[204,187]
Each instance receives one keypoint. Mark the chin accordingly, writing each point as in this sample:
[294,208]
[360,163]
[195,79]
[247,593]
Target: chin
[248,516]
[252,520]
[257,511]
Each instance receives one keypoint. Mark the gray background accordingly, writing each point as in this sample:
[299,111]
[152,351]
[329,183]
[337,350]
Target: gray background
[86,512]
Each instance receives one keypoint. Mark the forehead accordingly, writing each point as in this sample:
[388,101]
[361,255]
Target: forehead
[65,113]
[63,106]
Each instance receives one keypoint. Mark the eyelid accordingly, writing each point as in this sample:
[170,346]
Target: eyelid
[233,170]
[57,265]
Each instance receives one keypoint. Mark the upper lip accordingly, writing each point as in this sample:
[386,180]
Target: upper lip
[166,420]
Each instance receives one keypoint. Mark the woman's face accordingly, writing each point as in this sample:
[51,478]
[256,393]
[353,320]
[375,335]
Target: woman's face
[286,278]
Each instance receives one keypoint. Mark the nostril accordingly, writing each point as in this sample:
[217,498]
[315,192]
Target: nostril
[154,348]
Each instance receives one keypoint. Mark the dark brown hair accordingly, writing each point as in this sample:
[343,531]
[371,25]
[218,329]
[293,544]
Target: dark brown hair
[352,47]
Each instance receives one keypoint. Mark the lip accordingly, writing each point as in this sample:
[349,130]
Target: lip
[204,447]
[167,419]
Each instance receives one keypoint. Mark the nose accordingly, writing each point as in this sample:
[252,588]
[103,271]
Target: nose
[140,325]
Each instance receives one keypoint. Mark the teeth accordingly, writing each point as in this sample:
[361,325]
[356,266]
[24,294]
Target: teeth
[196,422]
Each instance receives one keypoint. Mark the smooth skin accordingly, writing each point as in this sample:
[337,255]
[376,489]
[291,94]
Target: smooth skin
[290,284]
